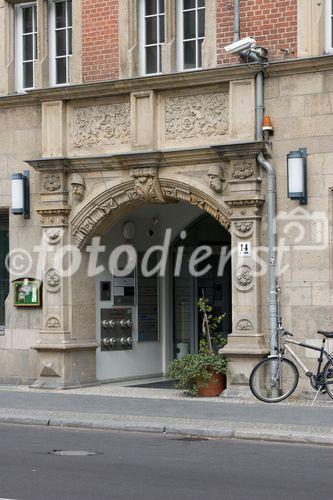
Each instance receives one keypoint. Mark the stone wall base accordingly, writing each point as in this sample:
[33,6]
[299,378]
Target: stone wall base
[66,368]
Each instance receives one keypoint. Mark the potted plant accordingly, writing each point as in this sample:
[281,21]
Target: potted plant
[203,374]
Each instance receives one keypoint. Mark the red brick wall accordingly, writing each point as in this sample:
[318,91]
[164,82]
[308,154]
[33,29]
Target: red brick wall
[273,23]
[100,55]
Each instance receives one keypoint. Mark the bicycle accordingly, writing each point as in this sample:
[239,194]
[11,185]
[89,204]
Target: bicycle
[275,378]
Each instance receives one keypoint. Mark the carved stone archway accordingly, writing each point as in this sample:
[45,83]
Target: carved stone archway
[105,209]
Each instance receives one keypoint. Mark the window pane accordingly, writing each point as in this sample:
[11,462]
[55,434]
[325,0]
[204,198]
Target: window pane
[161,5]
[60,8]
[35,46]
[200,53]
[151,6]
[151,60]
[189,4]
[189,25]
[27,48]
[27,20]
[61,43]
[159,69]
[70,48]
[201,22]
[28,75]
[201,3]
[161,40]
[151,30]
[69,13]
[189,55]
[61,70]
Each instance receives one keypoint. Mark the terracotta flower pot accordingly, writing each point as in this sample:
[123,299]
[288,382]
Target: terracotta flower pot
[215,386]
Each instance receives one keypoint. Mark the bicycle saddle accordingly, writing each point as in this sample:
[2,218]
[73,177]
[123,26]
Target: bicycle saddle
[329,335]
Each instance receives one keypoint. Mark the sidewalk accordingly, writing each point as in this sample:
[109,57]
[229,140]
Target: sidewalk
[115,407]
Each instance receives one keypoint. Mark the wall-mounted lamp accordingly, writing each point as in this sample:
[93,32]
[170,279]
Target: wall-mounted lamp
[21,194]
[297,175]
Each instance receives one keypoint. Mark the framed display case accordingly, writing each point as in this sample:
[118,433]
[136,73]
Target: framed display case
[27,292]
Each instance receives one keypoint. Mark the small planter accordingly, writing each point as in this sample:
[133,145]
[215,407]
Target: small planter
[215,386]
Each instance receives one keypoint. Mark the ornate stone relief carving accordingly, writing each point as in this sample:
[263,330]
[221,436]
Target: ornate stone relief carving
[53,235]
[244,276]
[201,115]
[78,186]
[54,217]
[124,194]
[53,322]
[244,325]
[243,170]
[215,178]
[146,184]
[52,182]
[53,280]
[244,227]
[105,124]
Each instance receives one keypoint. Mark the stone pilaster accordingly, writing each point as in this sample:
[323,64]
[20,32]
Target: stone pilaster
[66,344]
[247,343]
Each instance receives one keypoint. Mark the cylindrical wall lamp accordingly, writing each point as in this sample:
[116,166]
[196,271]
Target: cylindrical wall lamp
[297,175]
[21,194]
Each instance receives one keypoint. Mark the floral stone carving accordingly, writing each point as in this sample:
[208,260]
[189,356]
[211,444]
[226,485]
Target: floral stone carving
[243,170]
[52,182]
[147,185]
[53,279]
[244,325]
[53,235]
[53,323]
[201,115]
[244,276]
[107,124]
[244,227]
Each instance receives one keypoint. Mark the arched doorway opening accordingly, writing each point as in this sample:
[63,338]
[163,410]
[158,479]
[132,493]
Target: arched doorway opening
[152,301]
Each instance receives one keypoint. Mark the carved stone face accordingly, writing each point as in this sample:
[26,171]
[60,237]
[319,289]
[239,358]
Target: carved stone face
[78,187]
[78,191]
[215,179]
[215,182]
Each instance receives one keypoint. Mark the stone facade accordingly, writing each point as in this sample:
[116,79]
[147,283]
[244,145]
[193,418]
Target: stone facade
[97,152]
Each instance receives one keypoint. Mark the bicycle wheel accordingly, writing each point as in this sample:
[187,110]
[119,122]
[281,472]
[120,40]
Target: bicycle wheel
[328,377]
[273,379]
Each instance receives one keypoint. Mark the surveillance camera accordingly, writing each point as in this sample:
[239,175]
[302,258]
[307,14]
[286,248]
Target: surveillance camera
[240,45]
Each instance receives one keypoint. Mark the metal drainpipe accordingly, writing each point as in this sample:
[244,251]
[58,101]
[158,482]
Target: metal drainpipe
[271,208]
[236,21]
[272,242]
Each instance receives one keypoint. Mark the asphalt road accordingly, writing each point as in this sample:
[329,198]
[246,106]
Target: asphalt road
[154,467]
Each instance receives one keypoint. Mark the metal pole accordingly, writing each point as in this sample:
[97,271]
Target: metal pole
[236,21]
[272,244]
[259,104]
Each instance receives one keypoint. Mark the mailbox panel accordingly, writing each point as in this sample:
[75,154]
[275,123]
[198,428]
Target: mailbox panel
[116,329]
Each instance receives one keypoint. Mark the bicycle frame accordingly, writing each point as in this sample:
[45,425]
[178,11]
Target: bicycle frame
[313,348]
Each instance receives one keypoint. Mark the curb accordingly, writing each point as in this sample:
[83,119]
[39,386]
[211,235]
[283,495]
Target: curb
[324,436]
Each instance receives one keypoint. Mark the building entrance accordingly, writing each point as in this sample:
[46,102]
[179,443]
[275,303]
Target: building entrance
[144,320]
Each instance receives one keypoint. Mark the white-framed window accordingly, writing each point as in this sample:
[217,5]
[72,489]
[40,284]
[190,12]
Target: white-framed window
[151,35]
[329,26]
[190,33]
[60,40]
[25,45]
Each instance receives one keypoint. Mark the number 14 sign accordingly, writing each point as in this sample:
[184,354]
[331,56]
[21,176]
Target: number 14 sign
[244,249]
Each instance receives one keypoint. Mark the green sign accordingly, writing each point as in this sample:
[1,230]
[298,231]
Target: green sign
[27,293]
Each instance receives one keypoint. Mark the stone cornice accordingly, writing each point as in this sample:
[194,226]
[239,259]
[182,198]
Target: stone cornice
[168,158]
[170,81]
